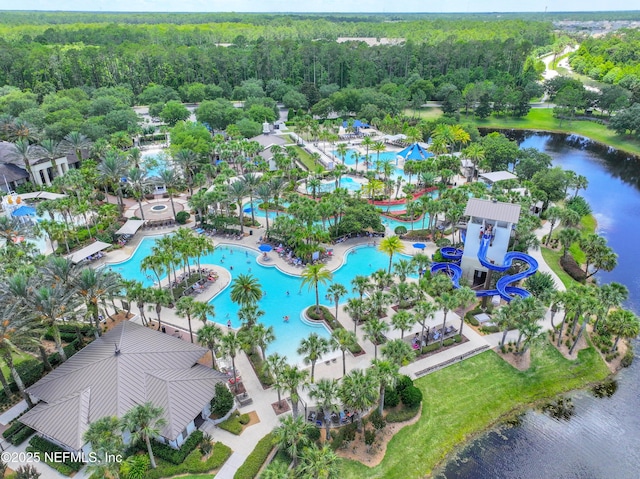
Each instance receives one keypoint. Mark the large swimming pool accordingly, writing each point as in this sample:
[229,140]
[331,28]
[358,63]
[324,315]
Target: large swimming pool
[276,303]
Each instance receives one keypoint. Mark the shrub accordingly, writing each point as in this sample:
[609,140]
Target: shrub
[193,464]
[411,396]
[403,382]
[222,402]
[177,456]
[391,398]
[369,437]
[182,217]
[313,433]
[136,466]
[432,347]
[403,414]
[377,420]
[448,342]
[469,318]
[42,446]
[627,359]
[244,419]
[231,425]
[579,205]
[256,459]
[27,471]
[572,268]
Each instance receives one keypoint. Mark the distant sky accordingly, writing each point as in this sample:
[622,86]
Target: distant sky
[425,6]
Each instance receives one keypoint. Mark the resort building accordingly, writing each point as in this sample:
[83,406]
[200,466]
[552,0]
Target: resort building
[129,365]
[487,216]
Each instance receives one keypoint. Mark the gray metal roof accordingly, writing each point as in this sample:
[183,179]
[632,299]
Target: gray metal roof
[493,210]
[96,382]
[498,176]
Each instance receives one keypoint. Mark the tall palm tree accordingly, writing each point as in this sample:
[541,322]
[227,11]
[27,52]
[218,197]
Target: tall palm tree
[447,301]
[336,291]
[387,373]
[105,437]
[262,336]
[359,391]
[314,275]
[610,295]
[171,181]
[356,308]
[93,286]
[325,393]
[343,340]
[75,142]
[475,153]
[50,304]
[210,336]
[403,268]
[231,345]
[623,324]
[390,246]
[554,214]
[249,314]
[293,380]
[144,421]
[138,185]
[189,164]
[274,365]
[360,284]
[264,192]
[246,290]
[465,296]
[111,171]
[378,147]
[252,181]
[402,320]
[24,153]
[424,311]
[237,191]
[291,435]
[312,348]
[374,330]
[186,307]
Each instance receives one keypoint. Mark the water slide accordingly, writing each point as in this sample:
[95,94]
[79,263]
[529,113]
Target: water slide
[505,291]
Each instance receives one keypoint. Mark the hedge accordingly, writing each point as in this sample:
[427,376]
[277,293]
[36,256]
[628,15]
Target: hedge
[232,424]
[41,445]
[572,268]
[193,464]
[256,459]
[177,456]
[17,433]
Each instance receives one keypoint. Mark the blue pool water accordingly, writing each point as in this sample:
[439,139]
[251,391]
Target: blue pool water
[345,182]
[155,162]
[276,303]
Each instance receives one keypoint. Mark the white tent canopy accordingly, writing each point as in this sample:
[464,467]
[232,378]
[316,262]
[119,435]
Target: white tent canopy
[87,251]
[130,227]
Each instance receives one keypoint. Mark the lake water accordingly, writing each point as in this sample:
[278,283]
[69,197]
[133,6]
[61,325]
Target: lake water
[600,440]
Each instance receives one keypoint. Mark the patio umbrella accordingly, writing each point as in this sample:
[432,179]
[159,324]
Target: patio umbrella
[419,245]
[265,247]
[24,210]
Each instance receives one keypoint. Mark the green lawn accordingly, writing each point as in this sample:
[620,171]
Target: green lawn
[542,119]
[467,398]
[17,359]
[552,258]
[305,159]
[430,113]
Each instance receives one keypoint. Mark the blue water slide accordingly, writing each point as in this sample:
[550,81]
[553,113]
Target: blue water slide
[451,254]
[451,269]
[505,291]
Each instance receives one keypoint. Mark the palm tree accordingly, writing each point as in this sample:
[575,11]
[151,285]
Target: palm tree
[135,291]
[319,462]
[313,348]
[360,284]
[424,311]
[75,142]
[398,352]
[403,268]
[355,308]
[186,307]
[378,147]
[144,421]
[343,340]
[24,153]
[294,379]
[554,214]
[610,295]
[447,301]
[402,320]
[325,392]
[567,237]
[262,336]
[231,345]
[50,303]
[624,324]
[465,296]
[170,179]
[505,319]
[359,391]
[475,153]
[387,373]
[391,245]
[105,437]
[374,330]
[210,336]
[274,365]
[249,315]
[291,435]
[341,150]
[246,290]
[111,171]
[336,291]
[313,275]
[188,162]
[93,285]
[264,191]
[237,191]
